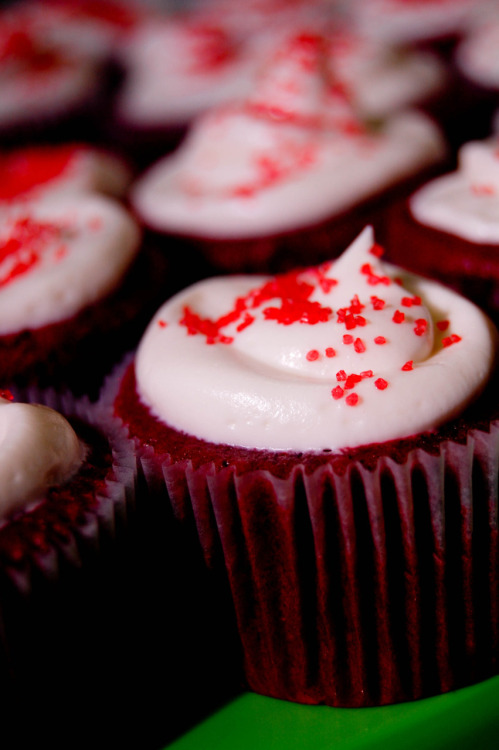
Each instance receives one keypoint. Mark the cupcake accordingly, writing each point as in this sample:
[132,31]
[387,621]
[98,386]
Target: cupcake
[449,228]
[98,610]
[285,177]
[70,287]
[322,427]
[33,172]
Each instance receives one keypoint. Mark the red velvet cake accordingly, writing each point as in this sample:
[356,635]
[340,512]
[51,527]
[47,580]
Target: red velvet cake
[308,424]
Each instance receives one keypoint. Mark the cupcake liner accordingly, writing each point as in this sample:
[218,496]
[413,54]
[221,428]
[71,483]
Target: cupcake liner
[363,578]
[472,269]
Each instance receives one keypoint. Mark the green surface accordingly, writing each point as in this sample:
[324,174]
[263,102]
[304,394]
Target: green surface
[467,718]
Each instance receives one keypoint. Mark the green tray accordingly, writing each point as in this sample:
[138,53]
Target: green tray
[466,718]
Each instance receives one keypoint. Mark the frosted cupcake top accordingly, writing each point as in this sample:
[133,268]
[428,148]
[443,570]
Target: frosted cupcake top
[34,172]
[37,79]
[405,21]
[336,356]
[58,256]
[39,449]
[177,68]
[292,154]
[465,202]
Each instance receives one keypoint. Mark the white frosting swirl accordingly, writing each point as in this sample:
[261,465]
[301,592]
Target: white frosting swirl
[465,202]
[58,256]
[327,358]
[239,175]
[39,449]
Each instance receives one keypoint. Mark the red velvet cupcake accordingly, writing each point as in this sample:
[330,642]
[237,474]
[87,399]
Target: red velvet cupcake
[73,286]
[449,228]
[287,177]
[321,429]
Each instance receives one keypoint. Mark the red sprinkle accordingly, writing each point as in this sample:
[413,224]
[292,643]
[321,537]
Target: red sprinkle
[359,346]
[5,393]
[410,301]
[381,384]
[442,325]
[408,365]
[162,323]
[347,339]
[352,399]
[377,250]
[330,352]
[398,316]
[377,303]
[420,327]
[449,340]
[352,381]
[337,392]
[366,374]
[341,376]
[380,340]
[313,355]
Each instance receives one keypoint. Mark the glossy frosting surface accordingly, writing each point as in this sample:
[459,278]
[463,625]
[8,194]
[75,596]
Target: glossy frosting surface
[328,358]
[39,449]
[465,202]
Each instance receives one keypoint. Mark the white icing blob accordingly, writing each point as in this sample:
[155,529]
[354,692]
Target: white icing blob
[58,256]
[464,203]
[338,365]
[38,449]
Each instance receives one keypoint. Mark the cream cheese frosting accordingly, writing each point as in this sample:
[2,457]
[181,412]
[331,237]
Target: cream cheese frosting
[345,354]
[58,256]
[464,203]
[39,449]
[177,68]
[34,172]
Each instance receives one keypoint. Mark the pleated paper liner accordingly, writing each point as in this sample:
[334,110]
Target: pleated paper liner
[364,578]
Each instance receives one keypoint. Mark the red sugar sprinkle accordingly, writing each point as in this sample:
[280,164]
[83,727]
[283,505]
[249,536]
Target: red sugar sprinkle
[337,392]
[420,327]
[352,381]
[442,325]
[330,352]
[366,374]
[408,365]
[313,355]
[410,301]
[380,340]
[377,303]
[352,399]
[373,278]
[381,384]
[162,323]
[247,321]
[398,316]
[5,393]
[341,376]
[359,346]
[347,339]
[377,250]
[449,340]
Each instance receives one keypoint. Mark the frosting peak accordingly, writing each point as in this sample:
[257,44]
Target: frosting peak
[347,353]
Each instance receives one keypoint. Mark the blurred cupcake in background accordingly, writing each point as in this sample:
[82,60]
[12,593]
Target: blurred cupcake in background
[286,176]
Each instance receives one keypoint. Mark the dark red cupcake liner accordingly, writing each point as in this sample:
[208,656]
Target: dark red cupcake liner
[358,579]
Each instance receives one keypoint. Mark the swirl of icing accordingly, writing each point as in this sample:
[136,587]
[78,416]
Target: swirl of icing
[39,449]
[345,354]
[464,202]
[59,255]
